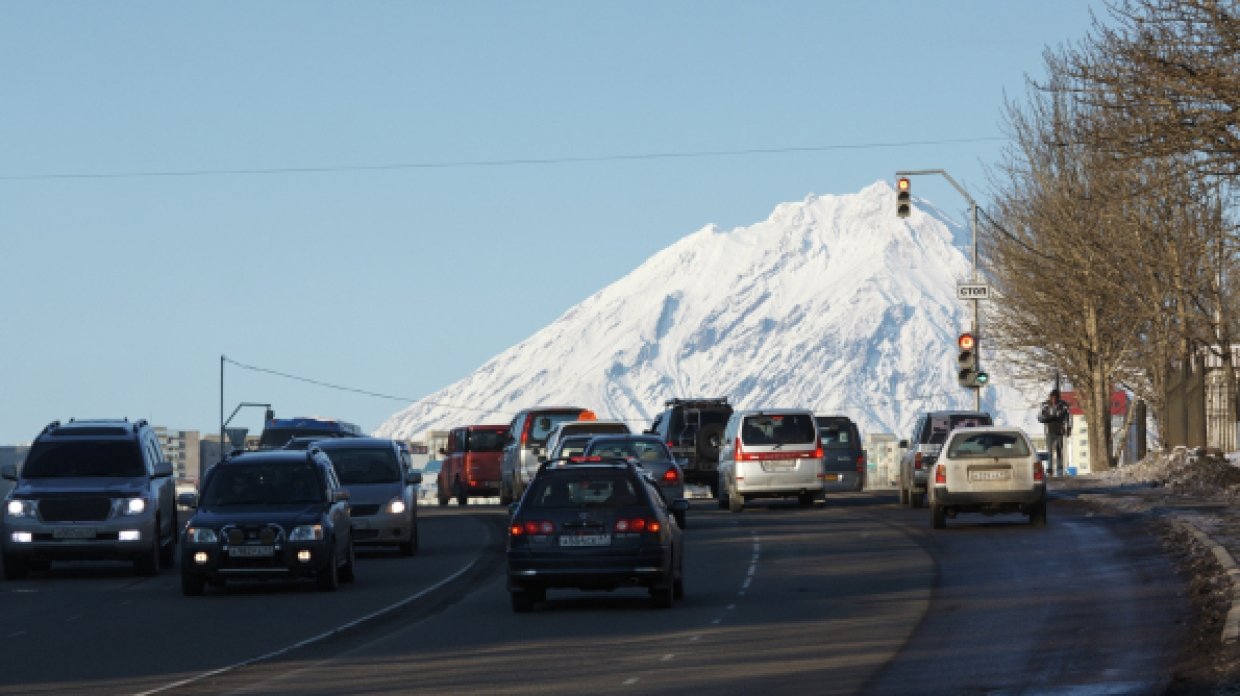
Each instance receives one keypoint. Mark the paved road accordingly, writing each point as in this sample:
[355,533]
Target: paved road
[857,597]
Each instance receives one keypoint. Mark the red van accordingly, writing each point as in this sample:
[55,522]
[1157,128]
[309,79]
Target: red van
[471,463]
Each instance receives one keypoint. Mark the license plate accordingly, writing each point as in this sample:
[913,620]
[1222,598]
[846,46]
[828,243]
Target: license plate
[779,465]
[74,533]
[586,540]
[990,475]
[251,551]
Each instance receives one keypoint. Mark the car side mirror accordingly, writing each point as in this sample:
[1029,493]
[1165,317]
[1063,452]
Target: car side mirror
[9,471]
[163,469]
[680,505]
[340,496]
[189,500]
[414,477]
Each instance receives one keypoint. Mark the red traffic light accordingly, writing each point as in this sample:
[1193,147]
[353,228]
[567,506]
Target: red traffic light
[966,341]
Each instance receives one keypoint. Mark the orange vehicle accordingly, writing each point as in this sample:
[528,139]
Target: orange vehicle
[471,462]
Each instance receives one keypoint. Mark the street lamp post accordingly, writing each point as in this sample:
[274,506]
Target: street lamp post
[977,392]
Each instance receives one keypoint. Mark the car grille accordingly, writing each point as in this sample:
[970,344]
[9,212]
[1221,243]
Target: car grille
[75,509]
[364,510]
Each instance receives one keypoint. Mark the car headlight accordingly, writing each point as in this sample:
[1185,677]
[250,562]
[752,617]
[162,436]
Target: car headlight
[307,532]
[133,506]
[396,506]
[201,535]
[22,508]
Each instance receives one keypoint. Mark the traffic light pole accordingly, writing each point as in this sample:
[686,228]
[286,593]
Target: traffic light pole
[977,392]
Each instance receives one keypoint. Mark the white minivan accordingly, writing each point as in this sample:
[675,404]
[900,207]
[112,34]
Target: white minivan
[770,453]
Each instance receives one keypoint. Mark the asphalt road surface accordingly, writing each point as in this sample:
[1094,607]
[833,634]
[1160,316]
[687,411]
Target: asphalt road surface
[857,597]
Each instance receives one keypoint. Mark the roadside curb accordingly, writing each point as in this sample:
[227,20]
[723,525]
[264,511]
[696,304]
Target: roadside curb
[1231,626]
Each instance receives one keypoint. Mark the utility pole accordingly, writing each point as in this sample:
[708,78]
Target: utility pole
[976,328]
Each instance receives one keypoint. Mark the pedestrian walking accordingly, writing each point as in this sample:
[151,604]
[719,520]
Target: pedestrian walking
[1057,419]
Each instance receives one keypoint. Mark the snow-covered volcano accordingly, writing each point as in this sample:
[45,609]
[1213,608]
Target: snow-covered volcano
[833,303]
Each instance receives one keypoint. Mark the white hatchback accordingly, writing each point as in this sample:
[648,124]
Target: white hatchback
[988,470]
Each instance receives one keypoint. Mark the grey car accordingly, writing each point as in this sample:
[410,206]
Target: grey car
[652,456]
[383,501]
[922,450]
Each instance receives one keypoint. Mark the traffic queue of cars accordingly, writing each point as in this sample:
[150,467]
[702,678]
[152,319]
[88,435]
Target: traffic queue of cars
[592,505]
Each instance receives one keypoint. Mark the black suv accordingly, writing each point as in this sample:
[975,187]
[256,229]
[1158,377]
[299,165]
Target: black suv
[693,430]
[91,490]
[268,514]
[594,526]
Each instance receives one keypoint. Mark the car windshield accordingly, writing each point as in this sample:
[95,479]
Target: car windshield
[364,465]
[97,458]
[648,450]
[573,446]
[940,426]
[262,484]
[836,436]
[542,424]
[779,429]
[987,444]
[279,437]
[587,488]
[486,440]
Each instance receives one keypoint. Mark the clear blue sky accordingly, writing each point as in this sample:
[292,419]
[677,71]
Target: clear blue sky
[138,245]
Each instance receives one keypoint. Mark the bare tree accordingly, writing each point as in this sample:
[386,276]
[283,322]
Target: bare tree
[1169,72]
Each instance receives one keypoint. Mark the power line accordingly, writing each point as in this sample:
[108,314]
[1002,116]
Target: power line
[463,164]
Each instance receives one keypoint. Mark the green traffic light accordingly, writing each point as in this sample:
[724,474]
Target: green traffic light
[981,378]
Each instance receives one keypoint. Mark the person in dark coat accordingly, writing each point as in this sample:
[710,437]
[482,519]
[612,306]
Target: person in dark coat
[1057,419]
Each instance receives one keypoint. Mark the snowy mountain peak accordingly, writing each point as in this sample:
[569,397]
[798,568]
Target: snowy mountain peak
[832,303]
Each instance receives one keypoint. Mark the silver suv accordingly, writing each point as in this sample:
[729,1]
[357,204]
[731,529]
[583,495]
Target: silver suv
[770,453]
[91,490]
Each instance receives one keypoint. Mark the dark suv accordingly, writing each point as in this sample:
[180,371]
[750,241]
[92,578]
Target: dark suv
[693,430]
[843,458]
[91,490]
[268,514]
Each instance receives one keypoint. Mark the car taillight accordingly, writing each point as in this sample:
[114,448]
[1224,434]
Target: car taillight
[670,477]
[917,460]
[525,431]
[531,528]
[940,474]
[861,464]
[1039,474]
[636,525]
[818,452]
[740,451]
[671,444]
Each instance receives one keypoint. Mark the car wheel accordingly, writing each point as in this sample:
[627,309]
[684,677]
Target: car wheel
[329,578]
[442,496]
[916,500]
[805,499]
[1037,516]
[903,495]
[736,502]
[408,548]
[346,571]
[168,552]
[192,585]
[681,519]
[38,565]
[662,593]
[522,601]
[721,495]
[938,518]
[458,492]
[678,585]
[15,567]
[148,562]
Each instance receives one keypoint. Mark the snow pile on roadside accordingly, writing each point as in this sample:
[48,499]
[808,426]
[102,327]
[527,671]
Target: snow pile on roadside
[1199,473]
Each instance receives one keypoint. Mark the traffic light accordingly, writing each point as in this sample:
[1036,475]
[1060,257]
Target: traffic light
[904,199]
[966,362]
